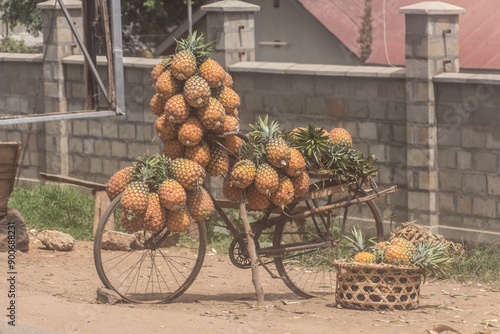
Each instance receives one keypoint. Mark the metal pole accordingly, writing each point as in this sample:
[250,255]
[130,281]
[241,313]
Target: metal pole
[116,33]
[89,29]
[84,50]
[190,16]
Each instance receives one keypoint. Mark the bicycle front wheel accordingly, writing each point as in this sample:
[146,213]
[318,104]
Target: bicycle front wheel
[309,272]
[138,268]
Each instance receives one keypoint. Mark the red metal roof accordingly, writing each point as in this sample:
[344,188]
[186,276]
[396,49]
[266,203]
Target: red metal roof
[479,29]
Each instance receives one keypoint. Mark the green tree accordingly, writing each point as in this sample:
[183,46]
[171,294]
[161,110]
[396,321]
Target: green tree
[22,12]
[144,21]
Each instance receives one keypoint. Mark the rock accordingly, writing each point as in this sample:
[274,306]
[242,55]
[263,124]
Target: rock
[107,296]
[113,240]
[14,218]
[56,240]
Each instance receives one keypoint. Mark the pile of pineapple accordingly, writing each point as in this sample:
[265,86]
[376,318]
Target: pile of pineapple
[159,192]
[199,127]
[430,255]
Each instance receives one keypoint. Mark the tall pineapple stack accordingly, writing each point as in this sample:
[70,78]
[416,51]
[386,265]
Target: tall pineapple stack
[194,103]
[197,121]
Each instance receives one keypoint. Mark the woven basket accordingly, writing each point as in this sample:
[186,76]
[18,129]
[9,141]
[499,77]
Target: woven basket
[372,286]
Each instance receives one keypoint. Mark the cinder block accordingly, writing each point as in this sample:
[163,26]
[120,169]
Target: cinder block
[446,202]
[474,183]
[484,206]
[485,162]
[450,180]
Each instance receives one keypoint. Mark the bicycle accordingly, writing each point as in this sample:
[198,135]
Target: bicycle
[296,245]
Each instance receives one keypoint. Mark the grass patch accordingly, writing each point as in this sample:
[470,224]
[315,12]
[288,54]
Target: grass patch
[52,207]
[479,264]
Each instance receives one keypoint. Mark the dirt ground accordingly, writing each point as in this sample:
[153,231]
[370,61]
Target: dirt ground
[56,292]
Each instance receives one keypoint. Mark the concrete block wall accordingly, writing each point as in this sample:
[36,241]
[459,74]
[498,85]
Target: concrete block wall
[469,155]
[368,101]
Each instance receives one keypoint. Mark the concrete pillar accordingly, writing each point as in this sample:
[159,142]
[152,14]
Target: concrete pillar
[58,42]
[431,48]
[231,25]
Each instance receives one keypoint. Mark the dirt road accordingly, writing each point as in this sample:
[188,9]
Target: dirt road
[56,292]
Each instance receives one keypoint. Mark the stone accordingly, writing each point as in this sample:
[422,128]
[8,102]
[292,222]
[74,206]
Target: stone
[56,240]
[14,218]
[114,240]
[107,296]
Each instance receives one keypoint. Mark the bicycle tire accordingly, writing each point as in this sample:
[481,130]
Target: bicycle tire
[309,273]
[141,274]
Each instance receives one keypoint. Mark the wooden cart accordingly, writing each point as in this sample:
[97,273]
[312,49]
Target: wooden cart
[9,156]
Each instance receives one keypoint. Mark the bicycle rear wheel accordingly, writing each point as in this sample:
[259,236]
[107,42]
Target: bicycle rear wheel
[309,272]
[138,268]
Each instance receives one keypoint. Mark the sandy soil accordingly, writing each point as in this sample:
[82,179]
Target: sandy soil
[56,292]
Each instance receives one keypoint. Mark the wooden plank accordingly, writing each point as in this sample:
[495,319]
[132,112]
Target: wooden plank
[9,155]
[74,181]
[101,203]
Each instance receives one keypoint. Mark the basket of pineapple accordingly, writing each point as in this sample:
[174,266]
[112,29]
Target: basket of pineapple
[387,275]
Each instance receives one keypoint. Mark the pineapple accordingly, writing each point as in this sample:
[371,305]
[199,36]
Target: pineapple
[227,80]
[189,53]
[173,149]
[365,257]
[135,199]
[157,104]
[190,132]
[399,251]
[341,137]
[257,200]
[301,184]
[396,254]
[276,149]
[130,223]
[230,191]
[243,174]
[200,204]
[172,195]
[296,165]
[178,220]
[278,153]
[231,124]
[168,85]
[228,98]
[197,91]
[219,160]
[360,245]
[212,72]
[177,109]
[199,153]
[188,173]
[266,179]
[212,115]
[183,64]
[284,194]
[164,129]
[233,144]
[160,68]
[154,219]
[119,181]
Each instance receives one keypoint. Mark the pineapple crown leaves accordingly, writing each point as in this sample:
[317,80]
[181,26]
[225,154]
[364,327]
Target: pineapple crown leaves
[252,151]
[313,143]
[432,257]
[263,131]
[151,170]
[357,242]
[196,45]
[345,163]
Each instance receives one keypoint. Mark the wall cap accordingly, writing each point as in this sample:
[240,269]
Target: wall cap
[70,4]
[467,78]
[432,8]
[230,6]
[319,69]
